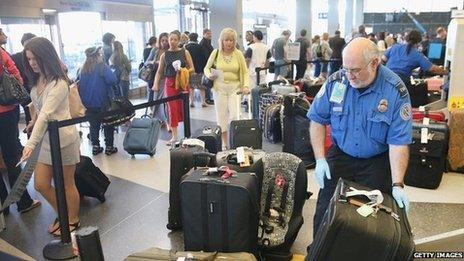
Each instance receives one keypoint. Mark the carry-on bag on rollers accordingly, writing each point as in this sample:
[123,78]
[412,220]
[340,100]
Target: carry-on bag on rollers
[90,180]
[142,135]
[245,132]
[184,156]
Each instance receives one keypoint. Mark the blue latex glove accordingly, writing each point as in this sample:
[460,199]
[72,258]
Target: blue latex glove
[400,196]
[322,169]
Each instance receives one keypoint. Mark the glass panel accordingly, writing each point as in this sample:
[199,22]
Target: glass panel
[166,15]
[79,31]
[16,30]
[132,36]
[271,18]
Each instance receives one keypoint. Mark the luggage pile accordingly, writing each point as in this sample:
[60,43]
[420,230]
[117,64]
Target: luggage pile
[281,115]
[237,200]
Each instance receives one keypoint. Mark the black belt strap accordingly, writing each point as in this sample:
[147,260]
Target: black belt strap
[225,217]
[204,215]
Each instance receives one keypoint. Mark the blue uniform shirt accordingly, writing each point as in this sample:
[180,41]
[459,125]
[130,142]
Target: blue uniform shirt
[364,124]
[402,63]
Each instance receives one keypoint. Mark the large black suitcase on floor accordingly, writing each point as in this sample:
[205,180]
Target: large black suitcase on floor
[296,129]
[272,123]
[346,235]
[90,180]
[427,160]
[211,135]
[183,159]
[220,214]
[245,133]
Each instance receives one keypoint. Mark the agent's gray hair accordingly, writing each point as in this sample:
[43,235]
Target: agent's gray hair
[369,53]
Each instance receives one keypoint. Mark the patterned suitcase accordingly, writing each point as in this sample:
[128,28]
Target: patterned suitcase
[265,100]
[456,141]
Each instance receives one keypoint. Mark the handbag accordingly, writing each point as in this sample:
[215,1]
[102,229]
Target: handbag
[147,72]
[205,81]
[118,103]
[76,108]
[11,90]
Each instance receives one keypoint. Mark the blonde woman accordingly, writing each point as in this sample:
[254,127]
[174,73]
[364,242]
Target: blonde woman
[230,76]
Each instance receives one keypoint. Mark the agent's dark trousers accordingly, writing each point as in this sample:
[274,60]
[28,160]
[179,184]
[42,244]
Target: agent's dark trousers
[373,172]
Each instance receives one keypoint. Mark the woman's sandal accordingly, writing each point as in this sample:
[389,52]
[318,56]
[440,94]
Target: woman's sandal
[72,227]
[55,226]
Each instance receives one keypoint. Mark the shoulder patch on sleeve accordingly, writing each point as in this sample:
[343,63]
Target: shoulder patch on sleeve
[402,89]
[406,112]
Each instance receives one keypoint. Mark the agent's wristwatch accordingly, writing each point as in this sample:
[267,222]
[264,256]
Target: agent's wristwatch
[398,184]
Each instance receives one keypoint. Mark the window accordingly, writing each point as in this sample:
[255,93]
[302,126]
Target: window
[14,28]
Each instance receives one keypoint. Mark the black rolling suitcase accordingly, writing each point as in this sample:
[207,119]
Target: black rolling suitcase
[245,133]
[427,158]
[346,235]
[283,194]
[296,129]
[220,214]
[272,123]
[90,180]
[211,135]
[142,136]
[183,159]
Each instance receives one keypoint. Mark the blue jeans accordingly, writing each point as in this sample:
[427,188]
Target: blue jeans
[124,86]
[317,68]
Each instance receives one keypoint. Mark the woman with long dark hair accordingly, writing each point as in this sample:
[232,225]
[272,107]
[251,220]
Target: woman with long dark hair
[403,58]
[49,96]
[96,86]
[167,70]
[122,66]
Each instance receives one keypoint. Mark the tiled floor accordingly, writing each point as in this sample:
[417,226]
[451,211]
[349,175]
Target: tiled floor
[134,216]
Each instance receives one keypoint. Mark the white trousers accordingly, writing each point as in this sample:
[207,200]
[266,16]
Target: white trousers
[227,104]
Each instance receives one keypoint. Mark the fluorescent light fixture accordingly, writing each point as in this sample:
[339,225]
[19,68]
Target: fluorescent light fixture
[48,11]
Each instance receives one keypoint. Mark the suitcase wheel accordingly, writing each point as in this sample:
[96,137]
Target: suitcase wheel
[101,198]
[174,226]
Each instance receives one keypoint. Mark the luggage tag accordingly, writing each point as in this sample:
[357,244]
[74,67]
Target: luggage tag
[365,210]
[338,93]
[424,135]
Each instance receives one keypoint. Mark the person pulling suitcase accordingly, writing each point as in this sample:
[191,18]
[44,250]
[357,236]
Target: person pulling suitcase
[369,110]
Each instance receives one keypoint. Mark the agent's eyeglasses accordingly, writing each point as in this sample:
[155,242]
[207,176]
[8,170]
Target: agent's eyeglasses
[355,71]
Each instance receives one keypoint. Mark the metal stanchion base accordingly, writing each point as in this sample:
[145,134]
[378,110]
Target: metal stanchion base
[56,250]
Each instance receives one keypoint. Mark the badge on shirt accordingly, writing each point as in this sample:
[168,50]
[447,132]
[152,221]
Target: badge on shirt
[338,93]
[383,106]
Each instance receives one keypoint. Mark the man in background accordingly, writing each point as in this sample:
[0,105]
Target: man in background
[305,54]
[337,44]
[207,48]
[279,53]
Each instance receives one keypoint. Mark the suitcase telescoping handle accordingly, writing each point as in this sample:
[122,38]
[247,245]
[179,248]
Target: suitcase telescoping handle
[248,96]
[210,156]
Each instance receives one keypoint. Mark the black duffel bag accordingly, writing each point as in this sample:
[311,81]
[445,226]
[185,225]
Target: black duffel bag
[125,108]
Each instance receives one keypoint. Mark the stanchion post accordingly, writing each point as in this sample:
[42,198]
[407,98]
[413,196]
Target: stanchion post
[56,249]
[185,107]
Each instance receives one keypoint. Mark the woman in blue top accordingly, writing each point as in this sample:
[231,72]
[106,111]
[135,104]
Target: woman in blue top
[96,83]
[403,58]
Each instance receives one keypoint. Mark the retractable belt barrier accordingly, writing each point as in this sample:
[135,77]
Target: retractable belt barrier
[62,249]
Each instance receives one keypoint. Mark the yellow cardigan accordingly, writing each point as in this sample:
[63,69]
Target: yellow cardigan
[235,70]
